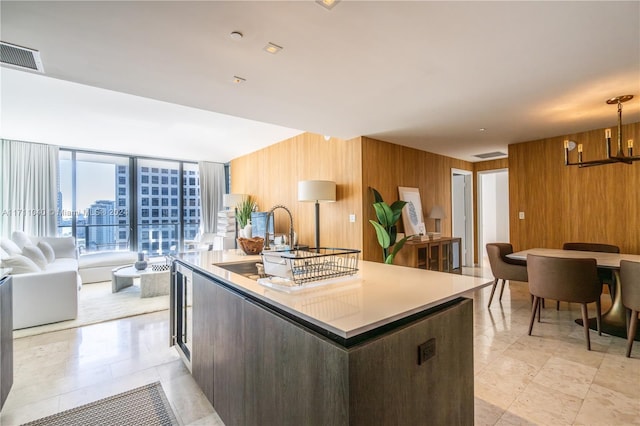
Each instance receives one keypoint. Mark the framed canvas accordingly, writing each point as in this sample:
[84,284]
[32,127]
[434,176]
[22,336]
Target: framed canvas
[412,217]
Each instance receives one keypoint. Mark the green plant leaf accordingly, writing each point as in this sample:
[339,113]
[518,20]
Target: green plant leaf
[396,249]
[384,214]
[376,196]
[393,233]
[383,236]
[396,208]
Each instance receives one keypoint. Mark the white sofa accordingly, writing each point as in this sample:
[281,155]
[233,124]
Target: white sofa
[50,294]
[97,267]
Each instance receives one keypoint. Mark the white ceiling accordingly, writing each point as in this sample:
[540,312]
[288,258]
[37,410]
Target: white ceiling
[422,74]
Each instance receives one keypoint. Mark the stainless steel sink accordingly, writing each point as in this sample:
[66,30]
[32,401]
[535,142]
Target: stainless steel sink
[246,269]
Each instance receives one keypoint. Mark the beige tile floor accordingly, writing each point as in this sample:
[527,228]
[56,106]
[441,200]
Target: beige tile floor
[549,378]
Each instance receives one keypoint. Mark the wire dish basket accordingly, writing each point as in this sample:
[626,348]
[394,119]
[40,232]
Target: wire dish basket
[301,266]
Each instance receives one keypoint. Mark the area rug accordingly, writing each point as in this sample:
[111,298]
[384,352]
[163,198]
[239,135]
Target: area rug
[96,303]
[146,405]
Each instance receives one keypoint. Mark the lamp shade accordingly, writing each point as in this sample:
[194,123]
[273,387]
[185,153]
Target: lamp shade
[232,200]
[437,213]
[317,190]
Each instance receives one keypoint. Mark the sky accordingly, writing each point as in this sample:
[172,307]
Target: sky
[96,181]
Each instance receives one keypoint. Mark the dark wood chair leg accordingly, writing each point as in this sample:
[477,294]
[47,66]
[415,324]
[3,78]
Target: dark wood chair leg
[631,333]
[534,309]
[557,305]
[540,305]
[502,288]
[493,290]
[585,322]
[598,317]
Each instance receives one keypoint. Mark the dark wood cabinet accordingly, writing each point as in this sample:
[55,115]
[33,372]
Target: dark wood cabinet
[260,366]
[6,338]
[228,355]
[204,295]
[442,254]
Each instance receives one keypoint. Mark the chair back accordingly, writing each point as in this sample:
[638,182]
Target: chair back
[630,284]
[602,248]
[501,266]
[568,280]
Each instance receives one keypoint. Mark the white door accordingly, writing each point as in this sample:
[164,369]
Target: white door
[462,212]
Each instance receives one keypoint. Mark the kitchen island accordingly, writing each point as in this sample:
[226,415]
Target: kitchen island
[391,345]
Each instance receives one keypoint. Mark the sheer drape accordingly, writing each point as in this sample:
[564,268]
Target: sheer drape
[29,182]
[212,187]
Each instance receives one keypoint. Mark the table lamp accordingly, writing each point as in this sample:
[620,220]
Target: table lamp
[318,191]
[232,200]
[437,213]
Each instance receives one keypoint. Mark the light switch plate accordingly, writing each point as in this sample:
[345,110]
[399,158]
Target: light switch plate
[352,218]
[521,215]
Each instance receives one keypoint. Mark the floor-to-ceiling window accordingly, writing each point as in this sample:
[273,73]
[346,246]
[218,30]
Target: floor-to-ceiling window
[98,192]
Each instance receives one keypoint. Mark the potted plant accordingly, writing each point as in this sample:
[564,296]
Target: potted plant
[386,230]
[243,211]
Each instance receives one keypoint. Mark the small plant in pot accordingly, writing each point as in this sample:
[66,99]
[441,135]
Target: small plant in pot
[386,230]
[243,212]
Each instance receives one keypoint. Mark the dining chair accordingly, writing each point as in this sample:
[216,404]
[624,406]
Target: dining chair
[568,280]
[606,277]
[504,268]
[630,287]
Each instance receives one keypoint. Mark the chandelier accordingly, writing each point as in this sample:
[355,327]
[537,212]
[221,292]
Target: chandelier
[620,156]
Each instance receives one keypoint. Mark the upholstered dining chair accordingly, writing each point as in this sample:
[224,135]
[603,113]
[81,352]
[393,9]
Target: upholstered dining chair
[630,284]
[606,277]
[568,280]
[504,268]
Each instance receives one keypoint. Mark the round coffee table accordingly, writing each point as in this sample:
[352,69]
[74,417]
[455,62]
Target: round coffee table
[152,283]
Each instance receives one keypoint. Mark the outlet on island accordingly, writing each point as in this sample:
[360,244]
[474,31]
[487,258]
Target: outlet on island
[426,351]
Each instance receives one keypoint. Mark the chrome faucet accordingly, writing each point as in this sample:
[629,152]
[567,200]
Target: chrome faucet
[266,233]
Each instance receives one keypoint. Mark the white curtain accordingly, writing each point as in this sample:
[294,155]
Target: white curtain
[212,188]
[29,182]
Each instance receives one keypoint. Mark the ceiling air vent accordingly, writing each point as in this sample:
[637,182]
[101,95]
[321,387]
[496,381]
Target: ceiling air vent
[20,57]
[490,155]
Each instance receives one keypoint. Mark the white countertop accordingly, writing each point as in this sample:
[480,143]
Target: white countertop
[379,294]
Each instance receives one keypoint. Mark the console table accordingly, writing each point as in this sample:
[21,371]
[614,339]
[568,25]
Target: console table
[441,254]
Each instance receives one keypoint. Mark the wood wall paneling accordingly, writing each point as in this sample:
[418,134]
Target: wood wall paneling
[271,175]
[567,203]
[386,166]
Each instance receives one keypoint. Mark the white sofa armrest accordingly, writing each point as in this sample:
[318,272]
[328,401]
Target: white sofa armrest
[44,297]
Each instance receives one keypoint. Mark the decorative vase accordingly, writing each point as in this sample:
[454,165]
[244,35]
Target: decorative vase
[247,230]
[141,264]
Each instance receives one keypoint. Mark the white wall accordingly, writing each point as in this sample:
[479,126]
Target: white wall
[493,209]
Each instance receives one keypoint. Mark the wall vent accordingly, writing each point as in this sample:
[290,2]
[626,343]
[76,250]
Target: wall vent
[490,155]
[20,57]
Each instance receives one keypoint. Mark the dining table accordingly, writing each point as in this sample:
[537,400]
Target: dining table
[614,320]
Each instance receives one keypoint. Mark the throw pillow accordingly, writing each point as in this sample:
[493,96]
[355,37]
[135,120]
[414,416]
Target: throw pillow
[62,246]
[20,264]
[3,254]
[21,238]
[35,254]
[10,247]
[47,250]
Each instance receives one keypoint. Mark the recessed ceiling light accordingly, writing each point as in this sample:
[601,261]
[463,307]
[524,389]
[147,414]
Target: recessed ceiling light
[328,4]
[482,129]
[327,137]
[272,48]
[236,35]
[238,80]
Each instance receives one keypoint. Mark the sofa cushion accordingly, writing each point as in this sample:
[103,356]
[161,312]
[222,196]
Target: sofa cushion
[112,258]
[62,264]
[47,250]
[3,253]
[21,238]
[35,254]
[10,247]
[20,264]
[62,246]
